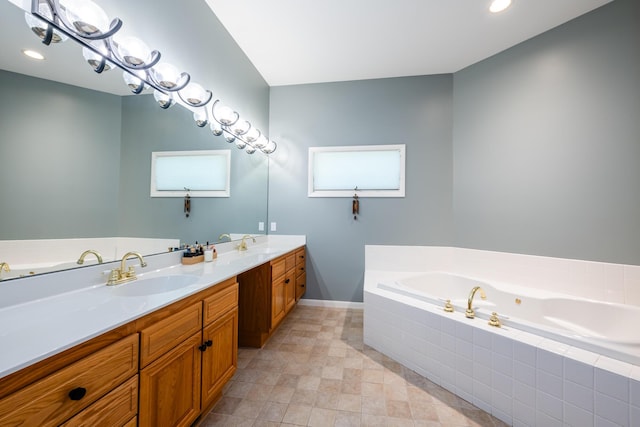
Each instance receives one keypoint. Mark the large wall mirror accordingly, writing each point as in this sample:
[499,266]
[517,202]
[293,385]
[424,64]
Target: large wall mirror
[75,156]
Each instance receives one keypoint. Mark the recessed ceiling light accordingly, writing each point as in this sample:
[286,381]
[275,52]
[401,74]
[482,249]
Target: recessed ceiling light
[499,5]
[33,54]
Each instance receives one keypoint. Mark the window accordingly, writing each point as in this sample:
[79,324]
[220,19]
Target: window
[375,170]
[204,173]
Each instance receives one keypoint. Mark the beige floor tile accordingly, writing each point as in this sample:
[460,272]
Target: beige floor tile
[315,370]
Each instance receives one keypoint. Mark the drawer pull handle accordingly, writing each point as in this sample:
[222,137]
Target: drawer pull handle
[287,280]
[302,285]
[77,393]
[208,343]
[203,347]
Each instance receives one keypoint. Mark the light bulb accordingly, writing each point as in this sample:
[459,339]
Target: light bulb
[193,94]
[95,59]
[200,118]
[39,27]
[240,127]
[229,137]
[224,114]
[164,100]
[167,75]
[86,16]
[250,149]
[240,144]
[134,82]
[261,142]
[269,148]
[215,128]
[132,50]
[499,5]
[252,135]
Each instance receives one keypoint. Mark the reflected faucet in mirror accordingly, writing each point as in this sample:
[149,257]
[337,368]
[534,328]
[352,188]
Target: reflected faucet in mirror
[121,275]
[222,236]
[87,252]
[4,267]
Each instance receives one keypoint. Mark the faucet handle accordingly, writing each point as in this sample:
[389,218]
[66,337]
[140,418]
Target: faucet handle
[114,276]
[494,321]
[448,307]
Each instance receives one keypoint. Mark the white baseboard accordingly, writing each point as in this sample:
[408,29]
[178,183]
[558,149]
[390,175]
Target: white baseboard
[331,304]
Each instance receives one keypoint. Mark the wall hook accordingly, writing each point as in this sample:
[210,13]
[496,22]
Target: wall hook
[355,204]
[187,202]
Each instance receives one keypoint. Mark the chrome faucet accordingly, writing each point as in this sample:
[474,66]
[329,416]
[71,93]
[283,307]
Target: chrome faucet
[4,266]
[470,313]
[87,252]
[243,245]
[119,275]
[222,236]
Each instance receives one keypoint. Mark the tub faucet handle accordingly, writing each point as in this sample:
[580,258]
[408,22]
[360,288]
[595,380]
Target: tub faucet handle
[494,321]
[448,307]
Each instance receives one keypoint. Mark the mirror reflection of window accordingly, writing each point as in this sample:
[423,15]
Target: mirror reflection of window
[203,173]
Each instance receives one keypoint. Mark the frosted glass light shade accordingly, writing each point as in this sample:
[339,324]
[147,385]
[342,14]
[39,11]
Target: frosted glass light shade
[240,127]
[224,114]
[132,50]
[167,75]
[95,59]
[261,142]
[269,148]
[164,100]
[200,117]
[39,27]
[193,93]
[252,135]
[132,81]
[215,128]
[86,16]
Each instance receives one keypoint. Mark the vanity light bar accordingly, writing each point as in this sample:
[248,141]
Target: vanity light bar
[139,65]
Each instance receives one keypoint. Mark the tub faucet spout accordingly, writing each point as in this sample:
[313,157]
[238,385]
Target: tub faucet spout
[470,313]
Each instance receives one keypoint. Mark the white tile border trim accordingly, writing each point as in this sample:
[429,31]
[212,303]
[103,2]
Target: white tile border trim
[331,304]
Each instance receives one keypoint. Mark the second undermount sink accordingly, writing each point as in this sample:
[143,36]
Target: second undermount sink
[155,285]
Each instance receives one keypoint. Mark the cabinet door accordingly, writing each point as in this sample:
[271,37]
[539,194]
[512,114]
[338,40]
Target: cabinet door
[220,359]
[170,386]
[278,302]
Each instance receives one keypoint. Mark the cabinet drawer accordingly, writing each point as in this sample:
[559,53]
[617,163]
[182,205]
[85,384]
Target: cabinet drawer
[218,304]
[290,261]
[49,401]
[301,257]
[167,333]
[278,268]
[115,409]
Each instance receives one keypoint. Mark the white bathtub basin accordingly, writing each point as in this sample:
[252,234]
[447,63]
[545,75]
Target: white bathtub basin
[155,285]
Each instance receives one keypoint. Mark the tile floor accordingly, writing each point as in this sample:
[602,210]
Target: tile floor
[316,371]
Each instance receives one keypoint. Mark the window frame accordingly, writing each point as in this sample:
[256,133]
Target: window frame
[226,192]
[399,192]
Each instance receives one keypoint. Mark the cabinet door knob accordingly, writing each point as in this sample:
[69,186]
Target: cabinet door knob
[77,393]
[208,343]
[287,280]
[203,347]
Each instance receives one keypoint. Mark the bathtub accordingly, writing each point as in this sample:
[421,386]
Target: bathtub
[599,327]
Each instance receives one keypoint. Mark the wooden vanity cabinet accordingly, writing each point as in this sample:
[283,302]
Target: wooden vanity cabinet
[64,394]
[187,358]
[267,294]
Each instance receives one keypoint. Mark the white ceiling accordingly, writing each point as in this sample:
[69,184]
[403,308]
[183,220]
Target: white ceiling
[297,41]
[300,41]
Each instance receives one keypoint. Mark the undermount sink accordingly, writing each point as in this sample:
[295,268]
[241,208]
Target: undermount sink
[155,285]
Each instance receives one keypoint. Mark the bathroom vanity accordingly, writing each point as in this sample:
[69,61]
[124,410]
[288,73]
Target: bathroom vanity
[158,358]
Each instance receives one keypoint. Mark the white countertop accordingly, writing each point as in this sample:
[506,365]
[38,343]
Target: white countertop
[44,315]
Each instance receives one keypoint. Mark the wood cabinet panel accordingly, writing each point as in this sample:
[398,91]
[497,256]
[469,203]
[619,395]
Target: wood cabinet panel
[278,301]
[220,303]
[66,392]
[115,409]
[220,359]
[278,268]
[301,285]
[170,386]
[290,290]
[254,306]
[160,337]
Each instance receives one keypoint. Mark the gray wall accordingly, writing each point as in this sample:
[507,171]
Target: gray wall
[147,128]
[59,160]
[413,111]
[547,142]
[533,151]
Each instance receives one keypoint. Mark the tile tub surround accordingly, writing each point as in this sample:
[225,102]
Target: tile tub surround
[67,308]
[521,379]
